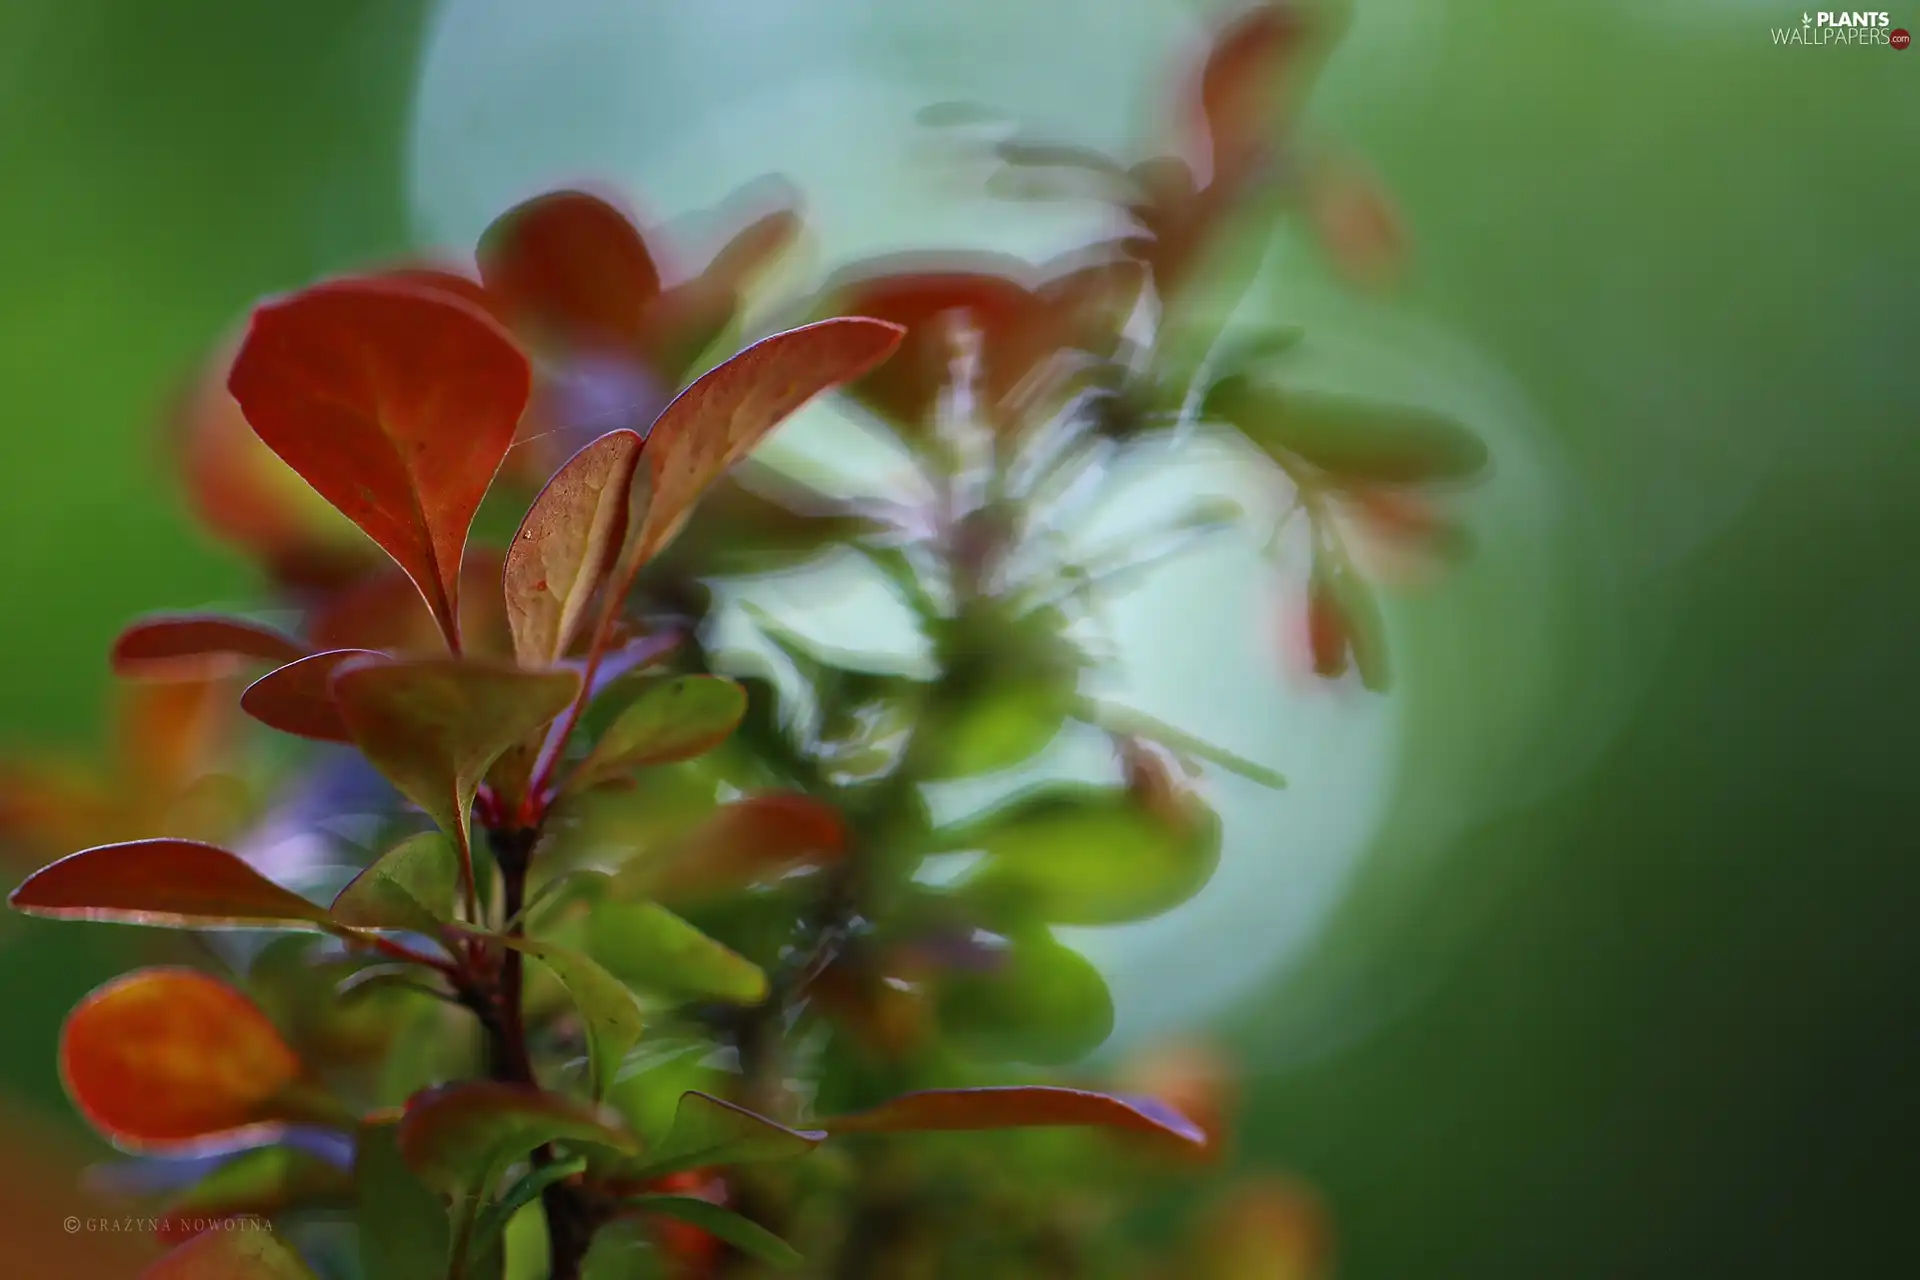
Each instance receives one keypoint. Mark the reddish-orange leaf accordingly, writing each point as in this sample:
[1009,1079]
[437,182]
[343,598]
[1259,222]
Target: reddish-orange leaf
[171,883]
[382,611]
[1329,639]
[1268,1228]
[720,418]
[749,841]
[1356,221]
[1017,1107]
[397,404]
[444,280]
[572,268]
[929,305]
[566,545]
[298,698]
[167,1057]
[1244,84]
[169,642]
[241,1249]
[434,726]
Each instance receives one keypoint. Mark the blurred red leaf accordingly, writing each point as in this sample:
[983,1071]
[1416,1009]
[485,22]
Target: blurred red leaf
[566,545]
[248,498]
[720,418]
[1016,1107]
[163,1058]
[750,841]
[382,610]
[298,698]
[1356,221]
[171,883]
[572,269]
[434,726]
[244,1249]
[173,641]
[1244,85]
[397,404]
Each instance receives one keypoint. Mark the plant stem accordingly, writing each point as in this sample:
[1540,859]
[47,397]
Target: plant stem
[571,1220]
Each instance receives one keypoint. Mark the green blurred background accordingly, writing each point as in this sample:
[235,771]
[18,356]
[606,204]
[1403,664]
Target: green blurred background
[1591,953]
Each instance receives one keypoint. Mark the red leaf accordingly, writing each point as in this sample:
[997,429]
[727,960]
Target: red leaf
[298,698]
[1243,85]
[1017,1107]
[566,545]
[572,268]
[1328,636]
[169,641]
[720,418]
[749,841]
[171,883]
[397,404]
[382,611]
[167,1057]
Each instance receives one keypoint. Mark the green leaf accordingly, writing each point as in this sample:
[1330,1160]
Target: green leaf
[434,726]
[1017,1107]
[491,1225]
[708,1132]
[742,1233]
[170,883]
[1346,438]
[232,1253]
[411,886]
[648,946]
[1078,854]
[1012,681]
[1044,1003]
[264,1181]
[1138,724]
[455,1136]
[671,720]
[404,1233]
[606,1006]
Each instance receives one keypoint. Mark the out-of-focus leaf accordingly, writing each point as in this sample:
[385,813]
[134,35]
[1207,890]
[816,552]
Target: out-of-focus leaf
[710,1133]
[263,1181]
[742,1233]
[411,886]
[434,726]
[728,410]
[1042,1003]
[565,546]
[163,1058]
[606,1006]
[167,641]
[397,404]
[1356,221]
[1350,440]
[381,610]
[1016,1107]
[571,269]
[298,698]
[1077,854]
[403,1227]
[753,520]
[1267,1229]
[647,946]
[749,841]
[674,719]
[248,498]
[456,1136]
[234,1251]
[169,883]
[1245,85]
[1011,684]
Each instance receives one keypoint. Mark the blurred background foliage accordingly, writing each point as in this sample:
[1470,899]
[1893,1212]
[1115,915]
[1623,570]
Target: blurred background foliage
[1589,951]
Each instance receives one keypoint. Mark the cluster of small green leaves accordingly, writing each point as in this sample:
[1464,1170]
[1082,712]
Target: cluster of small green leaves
[720,874]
